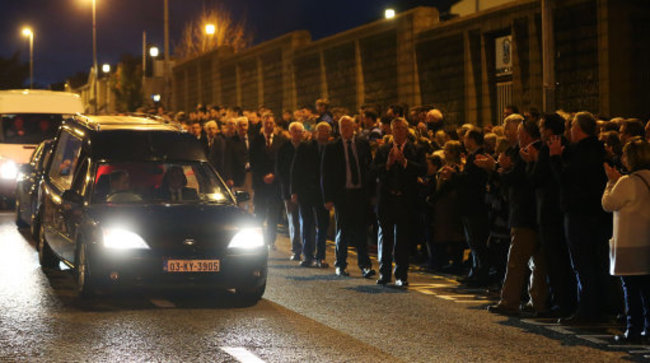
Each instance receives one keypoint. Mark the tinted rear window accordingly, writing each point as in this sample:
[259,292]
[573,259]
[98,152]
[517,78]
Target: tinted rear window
[28,128]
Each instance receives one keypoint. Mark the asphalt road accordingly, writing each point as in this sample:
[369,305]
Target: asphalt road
[306,315]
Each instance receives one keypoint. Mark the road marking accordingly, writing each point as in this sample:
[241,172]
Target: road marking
[596,339]
[424,291]
[446,297]
[639,351]
[242,355]
[538,323]
[559,329]
[161,303]
[629,346]
[480,302]
[431,286]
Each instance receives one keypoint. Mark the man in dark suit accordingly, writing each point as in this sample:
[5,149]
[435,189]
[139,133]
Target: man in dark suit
[347,186]
[237,172]
[550,221]
[197,130]
[286,155]
[398,165]
[306,191]
[216,146]
[263,158]
[471,182]
[524,243]
[173,187]
[579,170]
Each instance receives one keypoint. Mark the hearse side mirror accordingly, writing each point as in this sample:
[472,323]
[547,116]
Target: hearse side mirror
[26,169]
[70,196]
[242,196]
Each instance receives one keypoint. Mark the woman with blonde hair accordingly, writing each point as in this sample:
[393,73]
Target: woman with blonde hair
[628,197]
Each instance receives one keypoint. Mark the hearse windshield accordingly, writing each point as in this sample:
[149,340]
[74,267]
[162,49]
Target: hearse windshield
[153,182]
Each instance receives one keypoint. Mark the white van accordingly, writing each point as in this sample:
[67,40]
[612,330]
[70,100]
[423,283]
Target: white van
[28,117]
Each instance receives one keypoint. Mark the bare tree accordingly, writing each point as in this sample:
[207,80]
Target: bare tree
[227,32]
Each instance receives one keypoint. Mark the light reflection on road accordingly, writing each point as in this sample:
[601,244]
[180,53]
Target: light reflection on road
[26,305]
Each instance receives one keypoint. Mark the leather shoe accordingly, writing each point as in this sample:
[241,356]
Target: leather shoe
[341,272]
[627,338]
[294,257]
[322,264]
[368,272]
[306,263]
[401,283]
[578,320]
[382,281]
[502,310]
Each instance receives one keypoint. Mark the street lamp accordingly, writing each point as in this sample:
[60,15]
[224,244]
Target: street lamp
[106,68]
[27,32]
[389,13]
[95,67]
[210,29]
[154,51]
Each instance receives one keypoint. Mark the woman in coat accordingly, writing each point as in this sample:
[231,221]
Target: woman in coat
[629,198]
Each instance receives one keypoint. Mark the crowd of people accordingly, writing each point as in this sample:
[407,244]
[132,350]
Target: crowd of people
[556,204]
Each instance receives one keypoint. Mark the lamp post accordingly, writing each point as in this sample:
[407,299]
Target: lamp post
[106,69]
[27,32]
[166,75]
[95,70]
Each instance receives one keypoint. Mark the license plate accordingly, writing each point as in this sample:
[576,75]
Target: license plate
[191,266]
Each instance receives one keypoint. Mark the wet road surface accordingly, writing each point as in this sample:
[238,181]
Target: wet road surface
[306,315]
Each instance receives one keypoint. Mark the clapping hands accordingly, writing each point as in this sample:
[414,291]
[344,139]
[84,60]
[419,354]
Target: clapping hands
[529,153]
[612,173]
[395,156]
[505,163]
[485,161]
[555,147]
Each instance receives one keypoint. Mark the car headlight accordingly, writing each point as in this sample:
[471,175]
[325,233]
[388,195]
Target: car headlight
[9,170]
[121,239]
[247,238]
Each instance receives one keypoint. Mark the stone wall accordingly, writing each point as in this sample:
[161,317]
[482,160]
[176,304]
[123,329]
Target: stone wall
[414,59]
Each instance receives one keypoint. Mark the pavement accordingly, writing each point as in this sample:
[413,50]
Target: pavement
[306,314]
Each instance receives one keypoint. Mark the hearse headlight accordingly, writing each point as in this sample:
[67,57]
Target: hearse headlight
[121,239]
[248,239]
[8,169]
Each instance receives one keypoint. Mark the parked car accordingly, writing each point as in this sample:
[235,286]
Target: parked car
[27,183]
[133,202]
[27,117]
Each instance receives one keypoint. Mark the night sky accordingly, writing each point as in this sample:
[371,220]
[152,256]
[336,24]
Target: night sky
[63,28]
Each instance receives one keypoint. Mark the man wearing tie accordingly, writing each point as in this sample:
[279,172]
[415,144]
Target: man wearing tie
[236,164]
[263,159]
[346,187]
[398,165]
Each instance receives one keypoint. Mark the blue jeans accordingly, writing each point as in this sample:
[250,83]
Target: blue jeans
[637,303]
[314,222]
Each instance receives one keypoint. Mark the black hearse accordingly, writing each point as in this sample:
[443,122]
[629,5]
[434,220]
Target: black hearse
[132,201]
